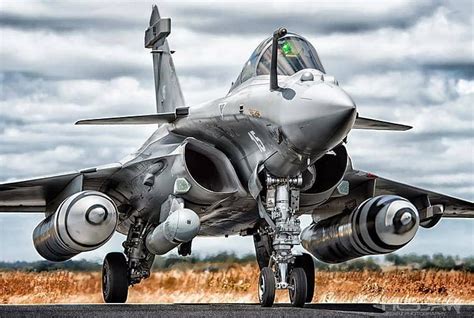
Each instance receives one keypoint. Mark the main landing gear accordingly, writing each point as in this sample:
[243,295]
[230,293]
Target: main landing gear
[280,266]
[120,270]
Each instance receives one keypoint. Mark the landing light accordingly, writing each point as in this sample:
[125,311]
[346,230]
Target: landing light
[181,186]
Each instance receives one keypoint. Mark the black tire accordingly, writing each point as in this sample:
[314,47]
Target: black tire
[298,287]
[306,262]
[262,243]
[115,278]
[266,287]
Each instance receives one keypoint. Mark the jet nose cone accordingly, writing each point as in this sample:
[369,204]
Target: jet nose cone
[327,115]
[328,97]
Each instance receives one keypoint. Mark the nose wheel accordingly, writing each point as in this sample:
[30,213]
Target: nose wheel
[266,287]
[297,289]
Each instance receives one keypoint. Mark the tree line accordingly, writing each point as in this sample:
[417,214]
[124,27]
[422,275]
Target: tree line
[436,261]
[216,261]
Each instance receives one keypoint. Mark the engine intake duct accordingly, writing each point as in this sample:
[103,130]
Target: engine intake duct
[199,173]
[323,179]
[379,225]
[83,222]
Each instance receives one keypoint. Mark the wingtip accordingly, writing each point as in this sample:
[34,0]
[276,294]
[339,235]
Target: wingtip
[83,122]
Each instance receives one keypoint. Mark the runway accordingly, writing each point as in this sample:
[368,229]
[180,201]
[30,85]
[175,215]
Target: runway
[236,310]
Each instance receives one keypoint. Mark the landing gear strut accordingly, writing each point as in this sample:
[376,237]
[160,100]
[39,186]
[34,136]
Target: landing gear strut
[121,270]
[281,267]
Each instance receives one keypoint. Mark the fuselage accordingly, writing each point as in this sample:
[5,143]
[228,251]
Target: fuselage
[284,131]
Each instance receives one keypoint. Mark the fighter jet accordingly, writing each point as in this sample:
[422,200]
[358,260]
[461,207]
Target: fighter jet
[249,163]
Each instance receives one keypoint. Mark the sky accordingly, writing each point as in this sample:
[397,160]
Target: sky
[410,62]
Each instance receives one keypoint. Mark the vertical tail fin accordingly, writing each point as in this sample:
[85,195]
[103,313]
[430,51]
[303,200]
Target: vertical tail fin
[167,88]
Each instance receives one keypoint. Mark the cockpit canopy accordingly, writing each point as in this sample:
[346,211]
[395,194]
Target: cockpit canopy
[294,54]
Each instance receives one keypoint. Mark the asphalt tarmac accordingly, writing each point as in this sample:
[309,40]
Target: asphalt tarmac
[236,310]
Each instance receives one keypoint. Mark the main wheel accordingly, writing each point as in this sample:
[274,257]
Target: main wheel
[298,287]
[266,287]
[115,278]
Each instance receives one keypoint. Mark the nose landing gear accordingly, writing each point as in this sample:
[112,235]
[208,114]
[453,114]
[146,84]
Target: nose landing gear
[281,267]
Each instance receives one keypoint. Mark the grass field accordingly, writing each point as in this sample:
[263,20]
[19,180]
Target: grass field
[237,283]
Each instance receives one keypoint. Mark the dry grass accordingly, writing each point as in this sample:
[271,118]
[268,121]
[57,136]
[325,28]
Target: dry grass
[237,283]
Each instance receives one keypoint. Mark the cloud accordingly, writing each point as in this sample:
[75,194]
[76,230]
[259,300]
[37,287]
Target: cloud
[61,24]
[208,17]
[70,16]
[404,61]
[69,56]
[305,17]
[437,43]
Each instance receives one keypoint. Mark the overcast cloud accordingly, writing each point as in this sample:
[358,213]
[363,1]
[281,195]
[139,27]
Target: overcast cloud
[405,61]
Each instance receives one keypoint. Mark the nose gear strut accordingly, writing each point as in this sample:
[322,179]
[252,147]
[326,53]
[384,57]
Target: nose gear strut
[274,243]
